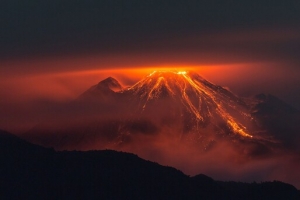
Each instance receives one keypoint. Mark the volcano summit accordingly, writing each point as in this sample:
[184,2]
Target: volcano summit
[195,100]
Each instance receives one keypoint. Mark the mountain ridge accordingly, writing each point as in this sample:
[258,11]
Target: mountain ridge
[105,89]
[155,119]
[97,174]
[175,101]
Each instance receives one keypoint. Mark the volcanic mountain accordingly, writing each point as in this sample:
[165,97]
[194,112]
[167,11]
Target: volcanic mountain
[197,102]
[177,105]
[181,120]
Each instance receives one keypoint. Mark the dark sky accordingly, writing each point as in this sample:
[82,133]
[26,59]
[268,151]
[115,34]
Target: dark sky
[67,27]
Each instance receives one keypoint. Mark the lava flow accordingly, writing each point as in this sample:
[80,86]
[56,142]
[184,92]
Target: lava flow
[180,106]
[177,118]
[205,101]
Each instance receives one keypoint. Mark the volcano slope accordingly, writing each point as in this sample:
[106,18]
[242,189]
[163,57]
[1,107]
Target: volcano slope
[179,119]
[180,105]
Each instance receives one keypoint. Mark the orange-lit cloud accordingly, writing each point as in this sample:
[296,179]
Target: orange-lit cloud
[247,61]
[46,63]
[67,79]
[33,96]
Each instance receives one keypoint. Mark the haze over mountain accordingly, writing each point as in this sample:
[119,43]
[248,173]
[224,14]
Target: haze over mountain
[185,103]
[53,51]
[178,118]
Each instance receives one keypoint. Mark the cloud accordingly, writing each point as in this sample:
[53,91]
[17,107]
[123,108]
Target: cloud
[54,54]
[77,125]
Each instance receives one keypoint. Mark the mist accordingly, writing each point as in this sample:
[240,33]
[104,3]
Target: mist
[46,100]
[51,52]
[76,125]
[221,159]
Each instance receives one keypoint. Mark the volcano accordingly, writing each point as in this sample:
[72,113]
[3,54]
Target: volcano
[177,105]
[197,102]
[184,97]
[179,119]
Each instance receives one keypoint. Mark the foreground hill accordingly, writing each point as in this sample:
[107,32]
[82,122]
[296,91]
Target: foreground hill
[29,171]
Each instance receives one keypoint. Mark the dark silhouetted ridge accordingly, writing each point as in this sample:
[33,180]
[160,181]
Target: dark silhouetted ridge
[32,172]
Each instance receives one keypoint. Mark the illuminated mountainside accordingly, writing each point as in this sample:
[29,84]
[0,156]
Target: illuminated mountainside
[180,119]
[104,90]
[175,105]
[198,102]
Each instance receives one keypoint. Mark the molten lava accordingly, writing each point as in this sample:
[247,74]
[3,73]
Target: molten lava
[205,101]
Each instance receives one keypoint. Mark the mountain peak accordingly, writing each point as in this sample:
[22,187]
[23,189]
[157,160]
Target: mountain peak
[110,83]
[178,95]
[174,73]
[105,89]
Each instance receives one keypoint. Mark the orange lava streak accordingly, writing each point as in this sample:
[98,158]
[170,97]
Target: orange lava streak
[192,107]
[153,85]
[226,116]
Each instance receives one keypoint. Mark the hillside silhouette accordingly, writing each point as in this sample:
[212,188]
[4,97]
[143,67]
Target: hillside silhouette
[29,171]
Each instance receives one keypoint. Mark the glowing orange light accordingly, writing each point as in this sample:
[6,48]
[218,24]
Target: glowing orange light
[179,82]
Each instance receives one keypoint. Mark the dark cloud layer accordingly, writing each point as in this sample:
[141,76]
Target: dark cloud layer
[55,27]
